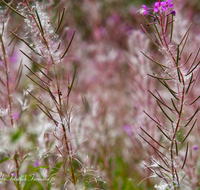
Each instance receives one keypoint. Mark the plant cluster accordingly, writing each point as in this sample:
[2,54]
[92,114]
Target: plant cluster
[90,97]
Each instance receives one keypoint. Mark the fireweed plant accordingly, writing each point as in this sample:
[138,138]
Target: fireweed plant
[59,165]
[178,76]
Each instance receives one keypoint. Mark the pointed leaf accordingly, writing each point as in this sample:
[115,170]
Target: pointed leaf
[37,83]
[154,60]
[13,9]
[172,27]
[190,82]
[190,119]
[163,133]
[193,61]
[152,138]
[41,28]
[33,60]
[19,74]
[60,20]
[195,100]
[186,152]
[189,132]
[160,101]
[37,75]
[175,106]
[164,112]
[157,32]
[149,36]
[68,45]
[21,39]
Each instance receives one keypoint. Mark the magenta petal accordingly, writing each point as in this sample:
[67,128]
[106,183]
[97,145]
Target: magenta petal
[171,5]
[144,6]
[155,10]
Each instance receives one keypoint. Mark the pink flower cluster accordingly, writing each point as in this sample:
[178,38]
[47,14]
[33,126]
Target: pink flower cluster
[158,7]
[162,6]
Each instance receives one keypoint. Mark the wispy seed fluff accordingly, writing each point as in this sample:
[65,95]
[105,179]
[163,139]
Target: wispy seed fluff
[34,35]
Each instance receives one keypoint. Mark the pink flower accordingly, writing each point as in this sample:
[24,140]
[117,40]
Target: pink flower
[37,164]
[156,7]
[128,130]
[144,10]
[163,6]
[16,116]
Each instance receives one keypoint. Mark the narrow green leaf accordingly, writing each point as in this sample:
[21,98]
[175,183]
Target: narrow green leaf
[13,9]
[163,168]
[56,168]
[163,133]
[172,27]
[41,102]
[175,106]
[39,21]
[170,90]
[190,82]
[177,55]
[188,58]
[151,145]
[15,31]
[37,83]
[25,42]
[2,82]
[33,60]
[72,81]
[36,169]
[149,24]
[195,80]
[190,119]
[23,161]
[157,32]
[37,75]
[185,156]
[195,100]
[53,97]
[164,112]
[152,119]
[160,101]
[152,138]
[157,19]
[189,131]
[45,113]
[60,20]
[161,78]
[185,34]
[167,22]
[184,44]
[176,148]
[42,72]
[4,159]
[19,74]
[178,73]
[149,36]
[154,60]
[193,68]
[68,45]
[194,60]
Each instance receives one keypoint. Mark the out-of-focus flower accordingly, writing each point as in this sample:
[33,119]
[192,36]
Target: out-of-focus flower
[16,116]
[144,10]
[36,164]
[128,130]
[195,147]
